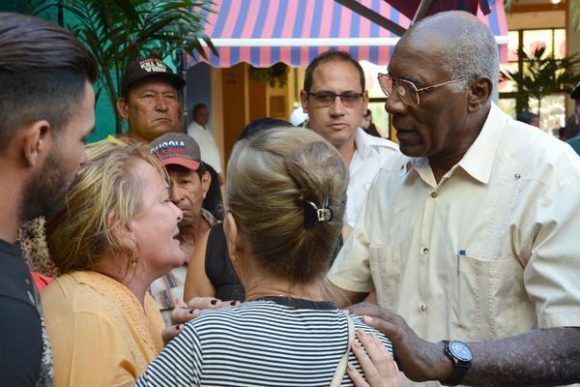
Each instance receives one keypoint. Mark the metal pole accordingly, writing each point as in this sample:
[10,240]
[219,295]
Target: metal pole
[182,69]
[422,10]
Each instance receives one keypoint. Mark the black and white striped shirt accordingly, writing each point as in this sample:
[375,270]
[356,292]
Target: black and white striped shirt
[273,341]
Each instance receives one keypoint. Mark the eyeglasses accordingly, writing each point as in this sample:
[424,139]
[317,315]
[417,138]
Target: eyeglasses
[327,98]
[406,90]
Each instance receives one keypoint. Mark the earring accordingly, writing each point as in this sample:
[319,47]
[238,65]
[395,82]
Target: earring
[133,260]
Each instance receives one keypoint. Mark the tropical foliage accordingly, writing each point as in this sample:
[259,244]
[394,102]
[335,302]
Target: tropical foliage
[116,31]
[275,75]
[541,74]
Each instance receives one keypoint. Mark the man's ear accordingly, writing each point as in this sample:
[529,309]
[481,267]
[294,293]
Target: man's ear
[304,100]
[480,91]
[365,101]
[36,141]
[205,182]
[123,108]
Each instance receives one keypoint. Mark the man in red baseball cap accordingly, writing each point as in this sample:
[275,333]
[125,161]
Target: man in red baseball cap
[181,156]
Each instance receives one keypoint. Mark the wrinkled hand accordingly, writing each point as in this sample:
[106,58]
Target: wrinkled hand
[379,367]
[183,313]
[419,359]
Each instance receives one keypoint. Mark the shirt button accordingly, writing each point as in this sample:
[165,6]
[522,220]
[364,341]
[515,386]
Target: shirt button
[423,307]
[425,250]
[433,194]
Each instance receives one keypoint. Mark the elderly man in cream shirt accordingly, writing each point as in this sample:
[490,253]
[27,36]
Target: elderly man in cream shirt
[473,243]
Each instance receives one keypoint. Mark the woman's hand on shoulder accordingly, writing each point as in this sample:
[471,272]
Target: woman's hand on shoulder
[377,363]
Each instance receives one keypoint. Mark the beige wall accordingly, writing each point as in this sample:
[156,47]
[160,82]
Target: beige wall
[536,20]
[217,111]
[235,97]
[237,100]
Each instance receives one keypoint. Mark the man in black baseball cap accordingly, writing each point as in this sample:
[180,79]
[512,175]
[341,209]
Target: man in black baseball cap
[150,99]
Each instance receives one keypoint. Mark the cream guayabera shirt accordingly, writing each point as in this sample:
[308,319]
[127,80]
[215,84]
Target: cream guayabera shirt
[491,251]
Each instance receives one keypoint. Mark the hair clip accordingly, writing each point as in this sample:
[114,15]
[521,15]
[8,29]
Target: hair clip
[313,214]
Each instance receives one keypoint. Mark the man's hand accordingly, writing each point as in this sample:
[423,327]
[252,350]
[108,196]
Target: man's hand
[419,359]
[183,313]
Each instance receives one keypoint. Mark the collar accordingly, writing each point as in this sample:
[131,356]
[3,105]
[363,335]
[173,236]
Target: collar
[479,158]
[298,303]
[362,145]
[208,216]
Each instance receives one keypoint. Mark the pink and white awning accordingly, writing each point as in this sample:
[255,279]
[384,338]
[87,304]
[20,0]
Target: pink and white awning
[264,32]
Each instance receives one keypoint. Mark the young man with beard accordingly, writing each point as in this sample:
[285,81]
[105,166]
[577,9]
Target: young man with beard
[181,156]
[47,109]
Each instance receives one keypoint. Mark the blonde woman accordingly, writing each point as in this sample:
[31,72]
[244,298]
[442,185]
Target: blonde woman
[285,198]
[114,235]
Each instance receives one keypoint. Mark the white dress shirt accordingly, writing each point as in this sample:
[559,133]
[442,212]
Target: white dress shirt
[370,153]
[209,150]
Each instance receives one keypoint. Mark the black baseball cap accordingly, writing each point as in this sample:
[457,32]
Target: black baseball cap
[142,68]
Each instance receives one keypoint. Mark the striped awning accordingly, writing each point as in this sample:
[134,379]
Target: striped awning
[264,32]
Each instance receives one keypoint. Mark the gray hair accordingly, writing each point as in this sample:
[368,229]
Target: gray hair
[471,50]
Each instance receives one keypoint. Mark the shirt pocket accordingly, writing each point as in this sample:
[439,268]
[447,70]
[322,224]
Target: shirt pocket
[490,300]
[385,264]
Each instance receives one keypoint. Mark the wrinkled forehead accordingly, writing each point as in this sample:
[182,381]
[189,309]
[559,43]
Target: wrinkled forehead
[156,84]
[420,51]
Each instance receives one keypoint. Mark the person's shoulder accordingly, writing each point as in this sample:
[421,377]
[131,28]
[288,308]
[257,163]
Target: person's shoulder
[360,325]
[14,277]
[73,293]
[194,127]
[575,143]
[530,142]
[14,307]
[248,311]
[543,157]
[378,142]
[221,322]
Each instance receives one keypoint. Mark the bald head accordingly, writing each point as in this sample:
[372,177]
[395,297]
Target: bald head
[466,46]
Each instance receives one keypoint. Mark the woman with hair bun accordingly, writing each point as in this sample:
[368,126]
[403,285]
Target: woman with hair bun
[285,200]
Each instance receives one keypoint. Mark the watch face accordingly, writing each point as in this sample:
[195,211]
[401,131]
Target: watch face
[460,351]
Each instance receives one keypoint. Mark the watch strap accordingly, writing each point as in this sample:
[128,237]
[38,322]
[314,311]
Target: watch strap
[459,368]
